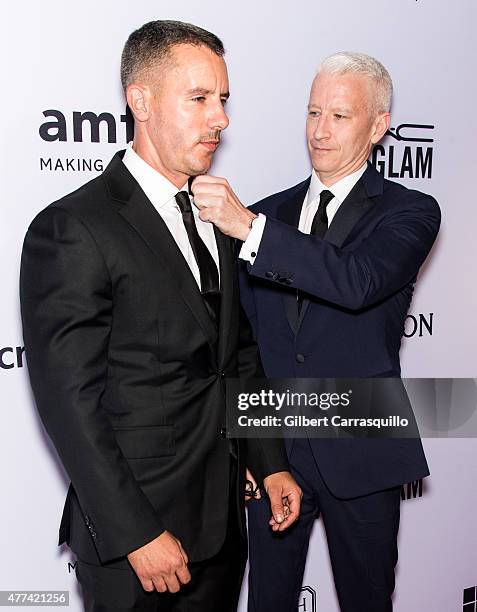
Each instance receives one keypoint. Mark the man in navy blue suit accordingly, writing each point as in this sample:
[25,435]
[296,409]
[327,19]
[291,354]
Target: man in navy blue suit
[328,270]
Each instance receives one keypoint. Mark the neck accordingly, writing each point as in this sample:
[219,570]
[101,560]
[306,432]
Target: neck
[330,179]
[143,146]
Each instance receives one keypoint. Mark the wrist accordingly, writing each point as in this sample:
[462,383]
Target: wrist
[247,225]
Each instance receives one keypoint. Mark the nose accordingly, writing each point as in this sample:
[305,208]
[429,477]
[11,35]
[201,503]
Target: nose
[219,119]
[321,128]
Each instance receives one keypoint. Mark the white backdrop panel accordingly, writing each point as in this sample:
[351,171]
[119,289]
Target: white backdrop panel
[65,57]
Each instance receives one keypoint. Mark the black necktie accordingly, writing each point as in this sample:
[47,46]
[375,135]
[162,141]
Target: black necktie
[319,227]
[209,277]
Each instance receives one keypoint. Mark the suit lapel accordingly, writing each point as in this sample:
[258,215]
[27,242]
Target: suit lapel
[140,213]
[289,212]
[348,214]
[227,297]
[359,200]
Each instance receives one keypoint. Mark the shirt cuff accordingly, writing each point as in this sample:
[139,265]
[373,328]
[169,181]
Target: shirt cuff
[250,247]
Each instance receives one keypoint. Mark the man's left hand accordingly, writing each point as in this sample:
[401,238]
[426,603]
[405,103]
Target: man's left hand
[219,205]
[285,499]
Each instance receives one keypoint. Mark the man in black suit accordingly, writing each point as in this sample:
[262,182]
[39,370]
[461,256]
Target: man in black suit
[328,272]
[132,323]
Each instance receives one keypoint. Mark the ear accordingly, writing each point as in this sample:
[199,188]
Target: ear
[380,126]
[138,98]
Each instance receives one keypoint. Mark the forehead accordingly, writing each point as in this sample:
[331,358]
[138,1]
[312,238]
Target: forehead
[350,89]
[195,65]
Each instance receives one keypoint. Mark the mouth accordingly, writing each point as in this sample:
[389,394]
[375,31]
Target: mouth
[210,145]
[321,149]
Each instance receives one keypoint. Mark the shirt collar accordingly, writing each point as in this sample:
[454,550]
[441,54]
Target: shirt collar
[340,189]
[156,187]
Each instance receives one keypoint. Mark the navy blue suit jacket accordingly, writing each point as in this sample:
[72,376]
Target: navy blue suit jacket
[358,283]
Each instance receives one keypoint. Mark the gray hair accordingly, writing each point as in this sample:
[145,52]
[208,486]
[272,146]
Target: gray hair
[151,45]
[346,62]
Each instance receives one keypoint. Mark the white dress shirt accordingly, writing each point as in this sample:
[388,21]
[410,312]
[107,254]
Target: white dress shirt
[161,192]
[340,191]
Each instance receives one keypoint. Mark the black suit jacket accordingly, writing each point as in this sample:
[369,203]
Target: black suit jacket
[357,283]
[128,371]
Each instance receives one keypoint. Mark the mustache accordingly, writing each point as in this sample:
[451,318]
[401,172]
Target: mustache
[212,135]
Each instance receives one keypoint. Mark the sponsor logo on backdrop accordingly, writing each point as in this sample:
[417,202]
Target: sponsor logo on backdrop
[82,127]
[470,599]
[419,325]
[307,601]
[411,490]
[406,152]
[11,357]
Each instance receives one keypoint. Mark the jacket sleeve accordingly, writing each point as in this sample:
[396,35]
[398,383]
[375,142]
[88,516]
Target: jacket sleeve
[265,456]
[385,261]
[66,304]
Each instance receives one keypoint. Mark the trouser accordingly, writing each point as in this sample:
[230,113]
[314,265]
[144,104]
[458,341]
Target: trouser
[362,541]
[214,587]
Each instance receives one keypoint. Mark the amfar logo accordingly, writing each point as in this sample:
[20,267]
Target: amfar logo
[307,601]
[97,125]
[470,599]
[420,325]
[11,357]
[82,126]
[411,490]
[399,160]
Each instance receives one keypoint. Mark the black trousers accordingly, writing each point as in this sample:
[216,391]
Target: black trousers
[362,541]
[214,587]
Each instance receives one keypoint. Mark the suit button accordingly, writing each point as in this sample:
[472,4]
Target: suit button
[288,281]
[269,274]
[222,374]
[300,358]
[223,432]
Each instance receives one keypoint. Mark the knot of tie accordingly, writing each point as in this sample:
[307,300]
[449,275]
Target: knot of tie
[183,201]
[325,198]
[320,220]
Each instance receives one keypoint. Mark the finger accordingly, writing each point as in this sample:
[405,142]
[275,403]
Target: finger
[172,583]
[207,179]
[217,189]
[294,504]
[147,584]
[159,584]
[276,505]
[183,553]
[208,201]
[183,574]
[292,517]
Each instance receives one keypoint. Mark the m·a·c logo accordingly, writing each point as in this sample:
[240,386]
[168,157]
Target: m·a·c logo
[407,152]
[307,601]
[470,599]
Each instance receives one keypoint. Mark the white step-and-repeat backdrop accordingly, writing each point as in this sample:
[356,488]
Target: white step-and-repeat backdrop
[60,64]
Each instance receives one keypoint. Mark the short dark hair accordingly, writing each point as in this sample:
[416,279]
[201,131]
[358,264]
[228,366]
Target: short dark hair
[151,44]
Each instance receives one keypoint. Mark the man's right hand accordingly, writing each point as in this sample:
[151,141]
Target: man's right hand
[161,564]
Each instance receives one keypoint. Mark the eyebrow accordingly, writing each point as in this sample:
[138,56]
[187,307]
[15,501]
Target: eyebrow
[337,109]
[201,91]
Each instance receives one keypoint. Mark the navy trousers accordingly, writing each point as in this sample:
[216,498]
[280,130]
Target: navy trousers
[362,541]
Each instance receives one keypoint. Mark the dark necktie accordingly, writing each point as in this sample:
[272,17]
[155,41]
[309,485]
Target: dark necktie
[319,227]
[209,276]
